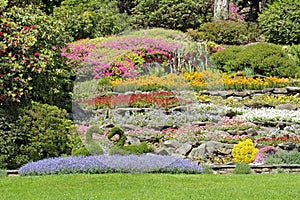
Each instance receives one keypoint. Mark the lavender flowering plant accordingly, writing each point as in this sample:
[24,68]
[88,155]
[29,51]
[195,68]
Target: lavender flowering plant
[146,163]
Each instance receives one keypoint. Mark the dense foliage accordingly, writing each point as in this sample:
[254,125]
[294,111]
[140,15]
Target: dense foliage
[30,64]
[33,133]
[263,58]
[228,32]
[280,22]
[91,19]
[171,14]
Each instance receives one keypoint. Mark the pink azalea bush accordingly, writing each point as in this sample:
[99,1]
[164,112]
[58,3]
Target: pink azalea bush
[119,57]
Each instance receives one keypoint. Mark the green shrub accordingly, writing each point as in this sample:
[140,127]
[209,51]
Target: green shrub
[91,18]
[115,150]
[242,168]
[264,58]
[3,173]
[31,65]
[35,132]
[175,14]
[91,131]
[229,32]
[119,133]
[138,149]
[283,157]
[80,152]
[94,148]
[120,148]
[207,169]
[280,22]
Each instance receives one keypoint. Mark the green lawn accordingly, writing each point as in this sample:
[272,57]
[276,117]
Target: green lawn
[152,186]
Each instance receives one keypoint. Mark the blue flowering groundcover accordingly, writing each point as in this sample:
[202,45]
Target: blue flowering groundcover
[146,163]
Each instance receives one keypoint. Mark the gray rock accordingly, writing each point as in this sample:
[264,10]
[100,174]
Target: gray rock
[164,151]
[251,131]
[130,127]
[287,145]
[242,94]
[150,139]
[198,152]
[224,151]
[213,146]
[180,108]
[293,89]
[280,91]
[184,149]
[123,111]
[287,106]
[225,94]
[171,144]
[133,140]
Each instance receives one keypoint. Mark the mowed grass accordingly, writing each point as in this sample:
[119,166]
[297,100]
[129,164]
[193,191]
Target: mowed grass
[152,186]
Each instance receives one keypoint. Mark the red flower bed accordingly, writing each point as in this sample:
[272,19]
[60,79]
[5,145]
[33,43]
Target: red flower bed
[163,99]
[274,141]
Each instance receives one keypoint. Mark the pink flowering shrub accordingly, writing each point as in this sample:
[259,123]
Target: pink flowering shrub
[262,154]
[119,57]
[234,13]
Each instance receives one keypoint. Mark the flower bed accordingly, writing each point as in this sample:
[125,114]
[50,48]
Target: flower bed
[111,164]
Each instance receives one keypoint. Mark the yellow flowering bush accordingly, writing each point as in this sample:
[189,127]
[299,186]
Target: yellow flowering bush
[244,151]
[152,83]
[207,79]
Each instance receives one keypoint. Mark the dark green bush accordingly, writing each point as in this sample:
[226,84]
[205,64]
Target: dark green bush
[242,168]
[31,65]
[117,131]
[91,131]
[33,133]
[264,58]
[91,18]
[280,22]
[229,32]
[138,149]
[171,14]
[131,149]
[94,148]
[120,148]
[283,157]
[80,152]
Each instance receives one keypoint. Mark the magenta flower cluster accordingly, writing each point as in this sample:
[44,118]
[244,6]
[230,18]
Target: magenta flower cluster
[262,154]
[120,57]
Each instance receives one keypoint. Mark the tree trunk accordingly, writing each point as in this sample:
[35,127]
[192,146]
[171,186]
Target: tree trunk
[221,9]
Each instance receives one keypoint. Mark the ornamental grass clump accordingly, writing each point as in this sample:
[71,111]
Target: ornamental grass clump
[146,163]
[244,151]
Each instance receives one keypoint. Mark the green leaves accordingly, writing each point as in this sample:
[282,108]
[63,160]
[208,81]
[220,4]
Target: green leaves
[91,19]
[175,14]
[280,22]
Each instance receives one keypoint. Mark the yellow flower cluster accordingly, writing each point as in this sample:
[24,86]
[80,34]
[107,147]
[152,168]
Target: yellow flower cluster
[211,80]
[205,79]
[244,151]
[169,82]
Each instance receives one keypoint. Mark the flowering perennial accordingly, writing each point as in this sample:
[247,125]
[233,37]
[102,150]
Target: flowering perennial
[146,163]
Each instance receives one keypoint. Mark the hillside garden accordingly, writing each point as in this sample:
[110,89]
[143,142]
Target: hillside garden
[173,94]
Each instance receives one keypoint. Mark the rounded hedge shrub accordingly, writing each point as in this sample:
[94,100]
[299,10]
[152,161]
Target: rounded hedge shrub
[175,14]
[35,132]
[280,22]
[91,18]
[229,32]
[264,58]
